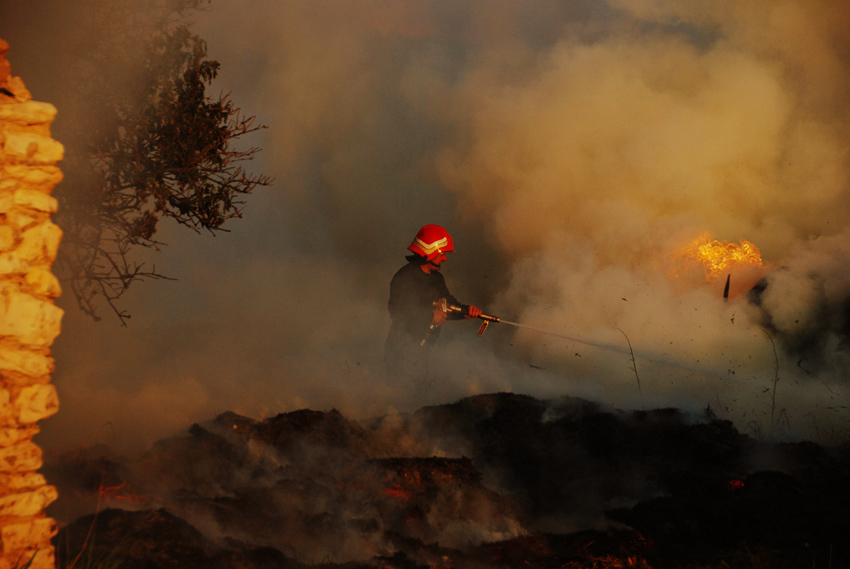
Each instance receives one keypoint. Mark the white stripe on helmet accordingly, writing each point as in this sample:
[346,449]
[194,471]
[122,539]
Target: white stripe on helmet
[435,246]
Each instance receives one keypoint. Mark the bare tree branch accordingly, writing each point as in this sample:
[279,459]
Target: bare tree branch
[160,147]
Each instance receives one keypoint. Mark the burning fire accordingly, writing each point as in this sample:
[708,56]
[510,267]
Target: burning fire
[719,257]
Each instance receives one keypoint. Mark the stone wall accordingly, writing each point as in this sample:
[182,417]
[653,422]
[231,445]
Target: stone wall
[29,320]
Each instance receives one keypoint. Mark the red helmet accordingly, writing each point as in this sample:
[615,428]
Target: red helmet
[432,241]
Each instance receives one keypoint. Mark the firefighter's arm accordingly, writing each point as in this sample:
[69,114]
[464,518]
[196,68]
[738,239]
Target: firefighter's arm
[456,309]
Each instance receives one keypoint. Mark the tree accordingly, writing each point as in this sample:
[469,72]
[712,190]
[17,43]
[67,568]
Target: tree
[152,144]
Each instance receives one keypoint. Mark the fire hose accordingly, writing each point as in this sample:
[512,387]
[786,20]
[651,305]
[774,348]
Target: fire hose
[488,318]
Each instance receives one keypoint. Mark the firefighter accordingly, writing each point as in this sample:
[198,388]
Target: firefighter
[415,292]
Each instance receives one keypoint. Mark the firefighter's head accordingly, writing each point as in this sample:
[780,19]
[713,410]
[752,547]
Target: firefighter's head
[431,243]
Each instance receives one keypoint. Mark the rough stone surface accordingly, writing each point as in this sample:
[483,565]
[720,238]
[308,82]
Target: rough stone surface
[36,402]
[32,320]
[32,148]
[12,264]
[20,535]
[43,282]
[9,437]
[28,113]
[31,558]
[7,195]
[29,321]
[16,86]
[17,359]
[7,237]
[6,412]
[40,244]
[27,504]
[20,219]
[43,177]
[17,482]
[35,200]
[23,457]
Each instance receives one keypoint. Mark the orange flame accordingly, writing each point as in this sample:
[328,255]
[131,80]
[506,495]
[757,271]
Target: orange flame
[718,257]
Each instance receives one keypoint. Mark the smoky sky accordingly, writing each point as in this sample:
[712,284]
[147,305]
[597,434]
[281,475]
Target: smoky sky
[569,147]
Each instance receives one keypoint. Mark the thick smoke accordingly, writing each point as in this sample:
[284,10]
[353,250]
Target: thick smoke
[570,148]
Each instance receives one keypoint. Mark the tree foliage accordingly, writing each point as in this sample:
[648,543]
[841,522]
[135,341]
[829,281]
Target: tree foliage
[150,144]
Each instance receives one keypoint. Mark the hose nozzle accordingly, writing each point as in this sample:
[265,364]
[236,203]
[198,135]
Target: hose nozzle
[464,310]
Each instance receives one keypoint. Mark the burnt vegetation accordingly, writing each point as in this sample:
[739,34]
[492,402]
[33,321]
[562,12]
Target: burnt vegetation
[492,481]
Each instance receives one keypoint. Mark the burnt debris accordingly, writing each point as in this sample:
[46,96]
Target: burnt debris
[492,481]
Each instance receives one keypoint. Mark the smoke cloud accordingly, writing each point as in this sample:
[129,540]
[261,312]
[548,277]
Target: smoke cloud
[569,147]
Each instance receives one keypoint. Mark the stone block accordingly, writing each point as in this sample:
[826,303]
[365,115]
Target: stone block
[17,482]
[44,176]
[43,282]
[27,504]
[28,113]
[33,321]
[29,362]
[24,534]
[32,199]
[14,435]
[36,402]
[20,482]
[22,218]
[32,148]
[22,457]
[39,244]
[36,200]
[19,91]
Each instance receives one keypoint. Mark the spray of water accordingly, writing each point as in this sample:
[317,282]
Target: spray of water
[601,345]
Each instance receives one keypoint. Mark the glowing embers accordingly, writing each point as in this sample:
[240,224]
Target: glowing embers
[121,493]
[718,258]
[396,491]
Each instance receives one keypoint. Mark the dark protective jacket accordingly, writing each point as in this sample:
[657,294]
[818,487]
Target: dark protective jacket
[412,296]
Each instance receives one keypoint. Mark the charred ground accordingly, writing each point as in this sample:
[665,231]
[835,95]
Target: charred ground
[499,480]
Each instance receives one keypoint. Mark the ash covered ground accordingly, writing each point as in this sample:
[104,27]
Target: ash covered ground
[492,481]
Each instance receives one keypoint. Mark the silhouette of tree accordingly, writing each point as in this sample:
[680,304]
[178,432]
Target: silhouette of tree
[147,143]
